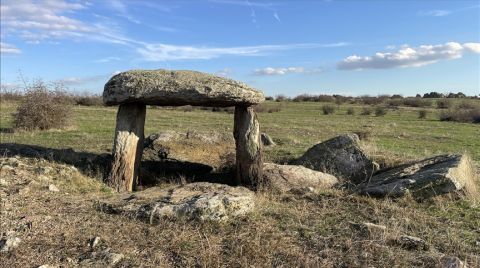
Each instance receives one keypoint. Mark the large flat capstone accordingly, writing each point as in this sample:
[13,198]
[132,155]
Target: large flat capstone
[176,88]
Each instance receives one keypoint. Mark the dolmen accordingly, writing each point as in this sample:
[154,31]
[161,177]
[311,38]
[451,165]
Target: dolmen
[133,90]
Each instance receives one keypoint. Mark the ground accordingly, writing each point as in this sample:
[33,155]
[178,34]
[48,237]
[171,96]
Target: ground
[303,229]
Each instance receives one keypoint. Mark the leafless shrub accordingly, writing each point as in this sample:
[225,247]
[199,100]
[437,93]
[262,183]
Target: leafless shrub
[43,107]
[366,111]
[260,108]
[461,115]
[328,109]
[380,111]
[467,105]
[444,104]
[281,98]
[89,100]
[350,111]
[422,114]
[417,102]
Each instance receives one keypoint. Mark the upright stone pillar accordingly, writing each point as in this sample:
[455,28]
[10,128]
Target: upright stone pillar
[249,162]
[127,147]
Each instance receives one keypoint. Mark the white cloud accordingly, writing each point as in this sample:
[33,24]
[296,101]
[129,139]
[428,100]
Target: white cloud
[41,19]
[443,12]
[164,52]
[409,56]
[224,72]
[9,49]
[435,13]
[285,70]
[108,59]
[76,81]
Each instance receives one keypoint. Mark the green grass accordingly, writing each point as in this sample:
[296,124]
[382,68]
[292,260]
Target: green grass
[298,126]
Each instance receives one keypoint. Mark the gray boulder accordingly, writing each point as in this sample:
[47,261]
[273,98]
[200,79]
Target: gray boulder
[423,179]
[9,242]
[340,156]
[176,88]
[284,178]
[266,140]
[194,201]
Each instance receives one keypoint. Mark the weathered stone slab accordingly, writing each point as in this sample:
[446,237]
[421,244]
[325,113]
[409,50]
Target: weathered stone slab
[176,88]
[423,179]
[283,178]
[194,201]
[340,156]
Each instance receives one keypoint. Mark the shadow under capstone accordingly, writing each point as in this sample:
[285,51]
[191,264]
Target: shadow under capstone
[99,165]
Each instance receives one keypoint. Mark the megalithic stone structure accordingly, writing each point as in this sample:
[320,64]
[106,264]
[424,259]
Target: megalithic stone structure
[133,90]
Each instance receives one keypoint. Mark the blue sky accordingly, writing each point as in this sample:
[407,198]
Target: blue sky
[281,47]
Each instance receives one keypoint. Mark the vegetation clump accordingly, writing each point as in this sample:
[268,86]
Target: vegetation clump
[43,107]
[380,111]
[422,114]
[328,109]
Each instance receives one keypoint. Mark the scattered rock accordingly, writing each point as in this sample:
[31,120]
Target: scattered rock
[102,258]
[53,188]
[451,262]
[283,178]
[423,179]
[6,168]
[199,201]
[10,242]
[94,242]
[43,170]
[369,229]
[409,242]
[168,87]
[340,156]
[3,183]
[266,140]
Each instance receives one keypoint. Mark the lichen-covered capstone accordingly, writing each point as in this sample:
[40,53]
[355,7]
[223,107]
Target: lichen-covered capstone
[176,88]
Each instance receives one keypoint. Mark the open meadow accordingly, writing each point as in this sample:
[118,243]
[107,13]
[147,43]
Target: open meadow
[318,229]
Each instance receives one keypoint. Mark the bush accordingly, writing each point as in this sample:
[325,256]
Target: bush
[89,100]
[328,109]
[43,108]
[350,111]
[464,116]
[395,102]
[269,98]
[372,100]
[380,111]
[444,104]
[417,102]
[264,109]
[281,98]
[422,114]
[467,105]
[366,111]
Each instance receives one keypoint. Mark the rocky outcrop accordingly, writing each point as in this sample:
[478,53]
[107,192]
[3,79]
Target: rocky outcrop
[422,179]
[175,88]
[340,156]
[195,201]
[284,178]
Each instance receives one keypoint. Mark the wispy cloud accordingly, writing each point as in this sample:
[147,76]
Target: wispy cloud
[108,59]
[252,5]
[444,12]
[268,71]
[9,49]
[224,72]
[166,52]
[409,56]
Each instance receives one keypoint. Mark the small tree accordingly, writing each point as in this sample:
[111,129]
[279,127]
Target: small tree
[43,107]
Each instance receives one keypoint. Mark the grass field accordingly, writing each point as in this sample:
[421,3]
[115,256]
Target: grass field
[400,134]
[290,230]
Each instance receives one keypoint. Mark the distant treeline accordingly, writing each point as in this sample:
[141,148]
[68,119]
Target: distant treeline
[367,99]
